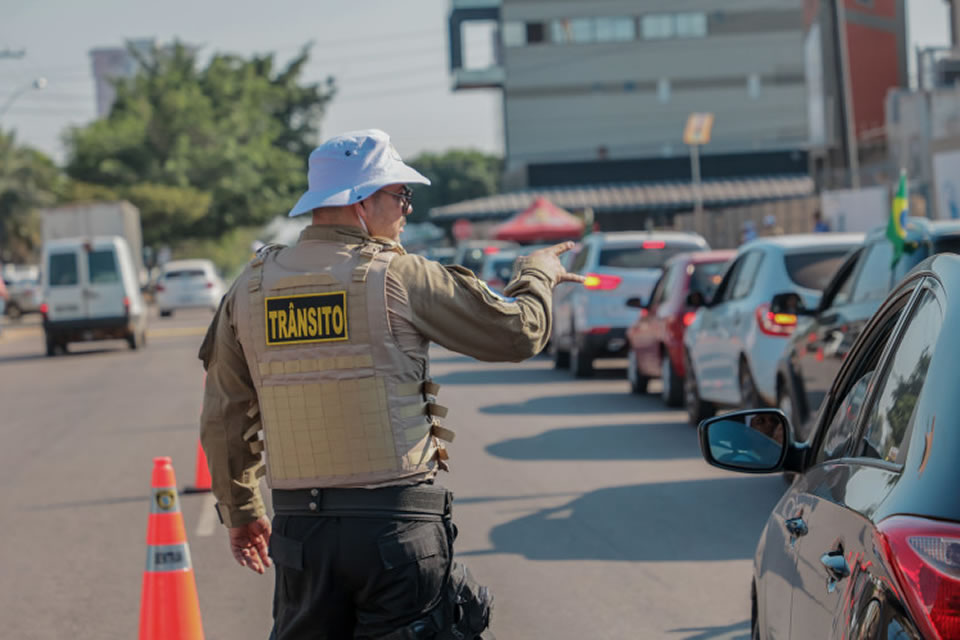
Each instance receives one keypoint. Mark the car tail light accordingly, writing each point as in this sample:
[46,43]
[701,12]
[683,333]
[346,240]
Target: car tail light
[598,331]
[160,288]
[209,285]
[126,305]
[924,555]
[601,282]
[654,244]
[44,309]
[775,324]
[688,318]
[489,250]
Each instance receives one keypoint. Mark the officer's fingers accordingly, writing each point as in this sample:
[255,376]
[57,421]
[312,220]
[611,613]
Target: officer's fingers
[566,276]
[559,249]
[262,551]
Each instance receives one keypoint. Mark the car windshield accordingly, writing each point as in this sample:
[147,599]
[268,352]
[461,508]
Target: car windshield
[813,270]
[706,276]
[650,256]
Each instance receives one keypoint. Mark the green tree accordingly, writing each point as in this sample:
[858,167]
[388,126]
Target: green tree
[28,180]
[458,174]
[203,151]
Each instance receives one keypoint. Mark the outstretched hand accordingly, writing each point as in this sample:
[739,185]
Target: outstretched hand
[552,256]
[248,544]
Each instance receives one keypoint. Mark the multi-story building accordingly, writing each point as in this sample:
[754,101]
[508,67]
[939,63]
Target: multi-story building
[600,91]
[110,63]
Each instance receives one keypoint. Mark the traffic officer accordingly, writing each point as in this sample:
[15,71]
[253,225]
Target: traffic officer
[318,378]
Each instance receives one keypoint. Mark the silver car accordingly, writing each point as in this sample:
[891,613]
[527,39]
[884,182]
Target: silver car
[590,321]
[735,341]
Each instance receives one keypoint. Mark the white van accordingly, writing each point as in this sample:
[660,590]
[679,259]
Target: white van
[91,293]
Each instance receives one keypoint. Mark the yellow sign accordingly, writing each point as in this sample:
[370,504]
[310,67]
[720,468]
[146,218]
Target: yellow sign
[699,126]
[311,317]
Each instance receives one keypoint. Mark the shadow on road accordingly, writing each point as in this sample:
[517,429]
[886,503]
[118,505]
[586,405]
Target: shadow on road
[604,442]
[572,404]
[665,522]
[451,358]
[705,633]
[499,376]
[23,357]
[73,504]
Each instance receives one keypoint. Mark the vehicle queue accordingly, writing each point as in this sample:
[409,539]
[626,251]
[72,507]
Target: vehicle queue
[834,359]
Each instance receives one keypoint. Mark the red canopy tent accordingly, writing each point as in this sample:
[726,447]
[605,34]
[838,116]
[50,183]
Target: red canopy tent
[542,221]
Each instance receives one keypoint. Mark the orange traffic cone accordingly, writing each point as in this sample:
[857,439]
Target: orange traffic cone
[169,607]
[202,483]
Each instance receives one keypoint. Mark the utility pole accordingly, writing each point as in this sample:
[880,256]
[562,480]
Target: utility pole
[846,95]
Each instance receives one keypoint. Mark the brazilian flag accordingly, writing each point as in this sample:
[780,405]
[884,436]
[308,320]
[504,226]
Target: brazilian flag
[896,227]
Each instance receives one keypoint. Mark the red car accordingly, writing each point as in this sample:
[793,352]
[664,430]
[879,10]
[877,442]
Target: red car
[656,336]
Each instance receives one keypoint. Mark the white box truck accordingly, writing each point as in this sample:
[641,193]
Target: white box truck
[90,219]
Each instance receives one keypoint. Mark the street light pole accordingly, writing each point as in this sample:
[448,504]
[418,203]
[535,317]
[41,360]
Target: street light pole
[38,84]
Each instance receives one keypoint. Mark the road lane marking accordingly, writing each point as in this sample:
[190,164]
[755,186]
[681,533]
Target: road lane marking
[208,517]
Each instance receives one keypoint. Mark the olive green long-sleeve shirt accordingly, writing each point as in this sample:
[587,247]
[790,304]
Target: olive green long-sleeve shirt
[425,302]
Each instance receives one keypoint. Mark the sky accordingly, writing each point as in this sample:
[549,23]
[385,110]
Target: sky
[389,58]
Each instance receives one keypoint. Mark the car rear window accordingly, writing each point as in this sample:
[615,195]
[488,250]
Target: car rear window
[813,270]
[502,268]
[706,276]
[102,265]
[63,269]
[184,274]
[650,257]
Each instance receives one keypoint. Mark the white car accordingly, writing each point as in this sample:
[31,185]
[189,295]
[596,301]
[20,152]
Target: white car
[735,340]
[186,284]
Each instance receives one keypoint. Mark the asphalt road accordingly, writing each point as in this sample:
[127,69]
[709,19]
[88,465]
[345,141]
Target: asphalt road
[587,510]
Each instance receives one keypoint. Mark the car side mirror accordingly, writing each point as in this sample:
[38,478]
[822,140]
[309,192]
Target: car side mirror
[696,299]
[636,303]
[750,441]
[790,303]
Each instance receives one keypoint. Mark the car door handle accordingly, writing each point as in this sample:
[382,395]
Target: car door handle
[796,526]
[836,566]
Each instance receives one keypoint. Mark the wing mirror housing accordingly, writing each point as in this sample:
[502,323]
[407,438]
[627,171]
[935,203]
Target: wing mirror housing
[636,303]
[751,441]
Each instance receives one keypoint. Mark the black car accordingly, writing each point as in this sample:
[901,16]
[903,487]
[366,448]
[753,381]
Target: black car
[866,541]
[817,348]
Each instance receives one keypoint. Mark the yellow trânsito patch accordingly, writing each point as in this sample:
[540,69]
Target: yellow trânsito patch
[308,317]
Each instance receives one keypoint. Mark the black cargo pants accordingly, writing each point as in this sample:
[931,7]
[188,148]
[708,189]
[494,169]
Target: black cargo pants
[347,570]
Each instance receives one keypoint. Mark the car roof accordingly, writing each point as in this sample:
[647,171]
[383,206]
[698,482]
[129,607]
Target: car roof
[611,237]
[72,243]
[805,241]
[187,264]
[918,227]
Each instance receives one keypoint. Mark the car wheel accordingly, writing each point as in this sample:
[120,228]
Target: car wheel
[51,348]
[697,409]
[580,363]
[165,313]
[13,311]
[672,392]
[638,383]
[561,358]
[749,397]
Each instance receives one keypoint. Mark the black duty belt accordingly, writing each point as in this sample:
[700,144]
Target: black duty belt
[414,502]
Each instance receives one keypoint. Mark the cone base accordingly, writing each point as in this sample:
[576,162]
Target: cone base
[169,607]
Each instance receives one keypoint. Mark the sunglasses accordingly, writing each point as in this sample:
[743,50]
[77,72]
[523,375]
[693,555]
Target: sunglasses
[405,196]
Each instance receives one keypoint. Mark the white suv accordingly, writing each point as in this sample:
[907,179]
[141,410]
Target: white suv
[590,321]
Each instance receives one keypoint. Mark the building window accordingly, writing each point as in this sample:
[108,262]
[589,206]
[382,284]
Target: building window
[578,30]
[514,34]
[663,90]
[535,32]
[753,85]
[691,25]
[657,26]
[619,29]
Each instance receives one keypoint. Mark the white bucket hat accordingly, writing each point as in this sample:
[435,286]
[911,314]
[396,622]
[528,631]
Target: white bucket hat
[352,167]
